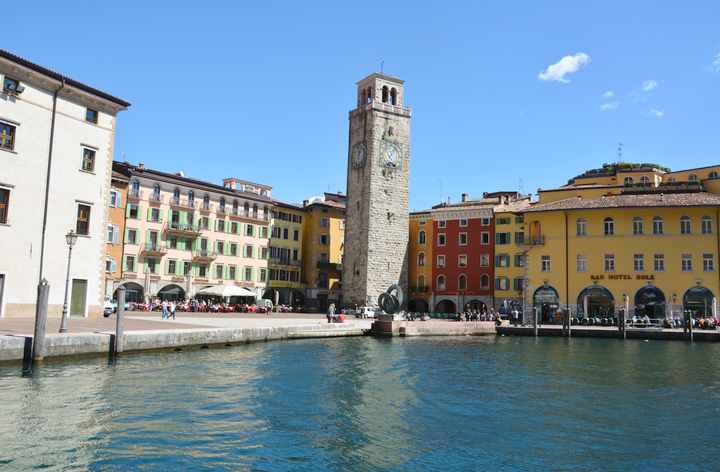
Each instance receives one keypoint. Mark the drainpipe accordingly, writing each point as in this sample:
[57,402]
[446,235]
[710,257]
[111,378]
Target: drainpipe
[47,179]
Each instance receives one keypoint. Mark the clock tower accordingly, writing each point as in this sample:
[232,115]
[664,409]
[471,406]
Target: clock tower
[376,227]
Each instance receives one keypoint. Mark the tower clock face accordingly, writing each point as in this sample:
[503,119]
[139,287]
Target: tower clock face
[391,155]
[358,155]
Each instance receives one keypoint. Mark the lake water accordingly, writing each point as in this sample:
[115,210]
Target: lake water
[362,404]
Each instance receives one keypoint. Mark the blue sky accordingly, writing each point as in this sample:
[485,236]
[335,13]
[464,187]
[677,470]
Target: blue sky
[262,91]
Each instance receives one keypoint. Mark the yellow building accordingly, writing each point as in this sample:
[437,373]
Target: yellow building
[322,251]
[650,243]
[285,254]
[115,233]
[420,261]
[509,249]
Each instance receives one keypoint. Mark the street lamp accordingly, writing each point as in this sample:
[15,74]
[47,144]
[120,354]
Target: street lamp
[71,239]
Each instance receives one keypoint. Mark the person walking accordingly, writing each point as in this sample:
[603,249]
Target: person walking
[173,308]
[164,307]
[331,313]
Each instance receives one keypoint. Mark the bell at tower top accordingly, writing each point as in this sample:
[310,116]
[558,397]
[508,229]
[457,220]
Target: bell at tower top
[380,88]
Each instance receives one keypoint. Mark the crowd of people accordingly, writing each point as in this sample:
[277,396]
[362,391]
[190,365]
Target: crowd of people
[170,307]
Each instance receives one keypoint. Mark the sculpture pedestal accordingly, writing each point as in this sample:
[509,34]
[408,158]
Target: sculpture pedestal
[388,325]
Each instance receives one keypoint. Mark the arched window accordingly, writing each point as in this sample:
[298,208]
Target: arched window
[255,211]
[658,225]
[685,226]
[384,94]
[235,207]
[206,202]
[692,178]
[645,180]
[440,282]
[462,282]
[713,175]
[393,96]
[628,181]
[609,226]
[266,213]
[222,204]
[135,190]
[484,281]
[176,195]
[421,237]
[156,192]
[368,95]
[421,283]
[191,199]
[672,179]
[581,227]
[421,259]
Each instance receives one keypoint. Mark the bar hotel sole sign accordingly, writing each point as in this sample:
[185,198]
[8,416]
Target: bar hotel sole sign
[595,278]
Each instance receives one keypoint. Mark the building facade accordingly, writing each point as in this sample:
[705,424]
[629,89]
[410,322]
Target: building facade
[183,235]
[285,281]
[378,168]
[323,251]
[420,262]
[56,146]
[115,236]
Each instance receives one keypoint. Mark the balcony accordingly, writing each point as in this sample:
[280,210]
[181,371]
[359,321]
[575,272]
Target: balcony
[284,262]
[182,204]
[534,240]
[250,217]
[182,229]
[154,249]
[203,255]
[134,196]
[325,265]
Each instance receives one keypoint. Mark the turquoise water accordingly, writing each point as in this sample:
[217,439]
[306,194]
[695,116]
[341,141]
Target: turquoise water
[364,404]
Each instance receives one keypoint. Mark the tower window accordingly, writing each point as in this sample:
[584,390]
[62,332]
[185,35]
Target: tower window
[384,94]
[393,96]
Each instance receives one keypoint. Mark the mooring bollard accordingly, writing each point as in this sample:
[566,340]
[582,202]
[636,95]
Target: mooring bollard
[119,313]
[535,321]
[690,326]
[41,314]
[621,324]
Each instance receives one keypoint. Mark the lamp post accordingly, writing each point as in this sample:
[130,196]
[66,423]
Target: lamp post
[71,239]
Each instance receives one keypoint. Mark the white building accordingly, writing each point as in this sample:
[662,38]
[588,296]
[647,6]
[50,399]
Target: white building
[56,146]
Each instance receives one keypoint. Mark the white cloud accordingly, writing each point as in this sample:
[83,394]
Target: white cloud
[609,106]
[608,95]
[649,85]
[566,65]
[716,63]
[657,113]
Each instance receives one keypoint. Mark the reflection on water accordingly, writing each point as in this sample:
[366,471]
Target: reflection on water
[366,404]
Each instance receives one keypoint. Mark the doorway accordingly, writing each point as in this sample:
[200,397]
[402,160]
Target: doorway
[78,299]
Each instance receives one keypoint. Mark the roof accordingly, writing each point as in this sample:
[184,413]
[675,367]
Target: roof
[579,187]
[119,176]
[327,203]
[514,206]
[291,206]
[180,180]
[378,75]
[57,76]
[630,201]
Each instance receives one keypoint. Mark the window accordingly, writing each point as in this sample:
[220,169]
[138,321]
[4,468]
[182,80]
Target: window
[88,160]
[172,267]
[639,262]
[206,202]
[191,199]
[110,265]
[519,237]
[155,215]
[441,239]
[462,282]
[638,225]
[91,115]
[296,235]
[440,282]
[221,226]
[249,251]
[249,230]
[231,272]
[220,247]
[202,271]
[706,225]
[156,193]
[285,233]
[609,263]
[628,181]
[135,188]
[545,263]
[233,227]
[644,180]
[462,260]
[519,260]
[205,222]
[219,271]
[114,199]
[485,221]
[235,208]
[11,86]
[4,205]
[484,260]
[502,221]
[421,259]
[484,237]
[263,231]
[713,175]
[518,284]
[442,224]
[685,227]
[233,249]
[502,260]
[221,209]
[176,196]
[421,237]
[324,239]
[324,222]
[113,234]
[440,261]
[133,211]
[172,242]
[463,222]
[151,266]
[187,267]
[692,178]
[7,136]
[659,263]
[421,282]
[502,283]
[581,227]
[263,276]
[132,236]
[462,239]
[708,263]
[609,226]
[484,281]
[658,225]
[520,219]
[687,263]
[130,263]
[503,238]
[581,263]
[82,224]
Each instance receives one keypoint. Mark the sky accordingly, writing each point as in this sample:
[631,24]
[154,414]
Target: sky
[506,95]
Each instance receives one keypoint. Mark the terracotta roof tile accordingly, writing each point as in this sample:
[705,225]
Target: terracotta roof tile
[631,201]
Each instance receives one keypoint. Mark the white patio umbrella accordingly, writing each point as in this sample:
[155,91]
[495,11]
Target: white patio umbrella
[226,291]
[714,307]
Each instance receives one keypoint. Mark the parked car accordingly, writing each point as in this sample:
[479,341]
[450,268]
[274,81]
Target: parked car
[366,312]
[108,308]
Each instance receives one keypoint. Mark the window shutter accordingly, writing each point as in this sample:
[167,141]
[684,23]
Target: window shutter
[116,234]
[127,211]
[148,213]
[162,214]
[183,217]
[124,261]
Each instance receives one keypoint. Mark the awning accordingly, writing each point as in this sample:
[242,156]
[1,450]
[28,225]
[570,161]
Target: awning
[226,291]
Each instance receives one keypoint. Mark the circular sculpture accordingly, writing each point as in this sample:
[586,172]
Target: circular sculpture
[391,300]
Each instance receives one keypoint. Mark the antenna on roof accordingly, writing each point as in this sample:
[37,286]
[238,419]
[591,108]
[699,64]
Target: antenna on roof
[620,147]
[521,186]
[382,66]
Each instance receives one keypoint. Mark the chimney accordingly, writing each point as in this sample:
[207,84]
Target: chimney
[141,166]
[305,203]
[464,197]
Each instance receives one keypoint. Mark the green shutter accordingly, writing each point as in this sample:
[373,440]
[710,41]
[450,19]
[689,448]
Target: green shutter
[124,264]
[148,213]
[183,217]
[127,211]
[162,214]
